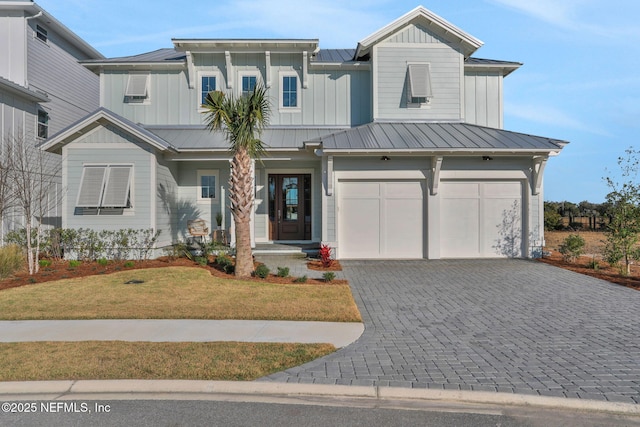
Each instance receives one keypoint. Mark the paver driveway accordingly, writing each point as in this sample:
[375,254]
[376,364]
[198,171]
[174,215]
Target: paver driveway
[492,325]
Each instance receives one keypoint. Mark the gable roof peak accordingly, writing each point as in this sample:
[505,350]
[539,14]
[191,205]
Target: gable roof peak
[440,25]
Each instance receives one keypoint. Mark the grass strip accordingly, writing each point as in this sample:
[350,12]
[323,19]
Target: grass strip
[176,293]
[102,360]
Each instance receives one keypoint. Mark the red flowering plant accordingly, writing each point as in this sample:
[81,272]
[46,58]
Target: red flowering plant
[325,255]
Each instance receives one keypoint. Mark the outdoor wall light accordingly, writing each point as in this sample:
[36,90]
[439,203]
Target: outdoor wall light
[385,158]
[487,158]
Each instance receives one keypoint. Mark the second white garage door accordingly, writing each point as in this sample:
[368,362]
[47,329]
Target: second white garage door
[481,219]
[381,219]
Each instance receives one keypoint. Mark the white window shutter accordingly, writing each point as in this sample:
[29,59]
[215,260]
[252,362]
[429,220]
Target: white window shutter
[91,185]
[116,191]
[137,85]
[420,81]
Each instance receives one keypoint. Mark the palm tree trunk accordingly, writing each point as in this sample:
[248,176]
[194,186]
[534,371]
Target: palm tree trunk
[241,197]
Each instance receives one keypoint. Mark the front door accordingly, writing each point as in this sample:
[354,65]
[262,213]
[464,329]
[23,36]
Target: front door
[289,207]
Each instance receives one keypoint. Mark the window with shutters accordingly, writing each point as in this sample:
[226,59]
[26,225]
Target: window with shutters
[105,187]
[137,90]
[419,91]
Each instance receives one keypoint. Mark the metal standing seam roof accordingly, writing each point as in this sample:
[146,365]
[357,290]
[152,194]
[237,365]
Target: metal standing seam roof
[200,138]
[160,55]
[380,136]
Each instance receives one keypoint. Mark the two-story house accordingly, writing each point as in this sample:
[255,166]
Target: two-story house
[43,88]
[394,149]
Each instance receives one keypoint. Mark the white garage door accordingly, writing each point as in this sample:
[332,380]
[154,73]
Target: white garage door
[481,219]
[381,219]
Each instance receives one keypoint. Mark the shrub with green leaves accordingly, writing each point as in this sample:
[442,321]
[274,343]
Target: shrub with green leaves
[302,279]
[74,263]
[283,271]
[329,276]
[44,263]
[129,264]
[11,259]
[262,271]
[203,261]
[103,262]
[572,247]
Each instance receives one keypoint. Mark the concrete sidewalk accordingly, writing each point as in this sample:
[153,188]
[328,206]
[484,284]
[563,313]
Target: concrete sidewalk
[339,334]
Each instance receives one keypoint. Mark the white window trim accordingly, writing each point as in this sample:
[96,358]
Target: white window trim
[426,104]
[126,211]
[282,108]
[202,74]
[242,74]
[130,99]
[207,172]
[46,124]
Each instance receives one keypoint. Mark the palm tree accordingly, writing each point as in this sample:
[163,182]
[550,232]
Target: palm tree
[242,120]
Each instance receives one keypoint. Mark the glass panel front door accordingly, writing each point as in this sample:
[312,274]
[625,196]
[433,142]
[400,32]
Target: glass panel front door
[289,209]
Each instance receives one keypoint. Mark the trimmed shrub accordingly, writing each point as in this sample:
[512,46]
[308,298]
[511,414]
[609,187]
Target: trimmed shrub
[103,262]
[129,264]
[329,276]
[283,271]
[302,279]
[11,259]
[74,263]
[262,271]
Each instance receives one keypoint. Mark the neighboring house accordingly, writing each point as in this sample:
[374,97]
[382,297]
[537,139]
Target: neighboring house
[394,149]
[43,88]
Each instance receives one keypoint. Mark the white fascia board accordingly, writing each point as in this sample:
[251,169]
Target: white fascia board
[340,65]
[465,38]
[60,139]
[449,152]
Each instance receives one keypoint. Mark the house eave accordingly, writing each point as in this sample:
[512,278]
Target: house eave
[22,91]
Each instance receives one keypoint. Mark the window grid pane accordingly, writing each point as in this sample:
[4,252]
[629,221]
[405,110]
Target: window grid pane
[208,187]
[208,85]
[248,84]
[289,91]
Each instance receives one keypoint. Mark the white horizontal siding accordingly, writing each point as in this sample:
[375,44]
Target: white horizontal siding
[391,65]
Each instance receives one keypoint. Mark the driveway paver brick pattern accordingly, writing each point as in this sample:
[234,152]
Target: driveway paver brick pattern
[515,326]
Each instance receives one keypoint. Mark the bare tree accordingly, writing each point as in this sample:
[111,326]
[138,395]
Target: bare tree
[33,175]
[6,188]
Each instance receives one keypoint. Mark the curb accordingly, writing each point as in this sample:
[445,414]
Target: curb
[66,390]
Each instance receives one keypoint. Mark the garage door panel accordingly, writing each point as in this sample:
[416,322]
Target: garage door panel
[460,233]
[481,219]
[381,219]
[403,234]
[503,223]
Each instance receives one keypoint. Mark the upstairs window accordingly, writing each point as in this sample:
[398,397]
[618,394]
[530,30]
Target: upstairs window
[289,91]
[207,84]
[137,90]
[248,84]
[419,92]
[42,33]
[43,124]
[105,186]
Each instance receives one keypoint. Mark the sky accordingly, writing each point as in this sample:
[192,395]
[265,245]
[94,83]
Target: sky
[579,81]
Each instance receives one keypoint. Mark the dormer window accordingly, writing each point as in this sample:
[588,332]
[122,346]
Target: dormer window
[419,92]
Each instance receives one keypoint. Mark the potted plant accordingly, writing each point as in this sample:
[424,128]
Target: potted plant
[219,220]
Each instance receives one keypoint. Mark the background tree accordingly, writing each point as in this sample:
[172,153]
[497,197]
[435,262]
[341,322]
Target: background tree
[6,188]
[33,177]
[623,230]
[242,120]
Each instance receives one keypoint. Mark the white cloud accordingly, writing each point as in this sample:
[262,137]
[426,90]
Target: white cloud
[551,116]
[582,16]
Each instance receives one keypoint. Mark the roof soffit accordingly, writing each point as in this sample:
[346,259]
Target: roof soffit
[427,19]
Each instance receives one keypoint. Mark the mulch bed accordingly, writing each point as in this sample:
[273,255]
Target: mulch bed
[316,265]
[604,271]
[62,270]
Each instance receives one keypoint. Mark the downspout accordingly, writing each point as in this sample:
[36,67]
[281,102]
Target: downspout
[26,44]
